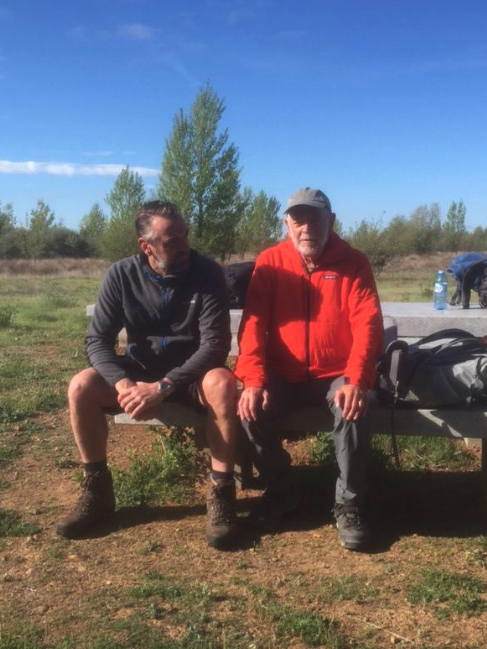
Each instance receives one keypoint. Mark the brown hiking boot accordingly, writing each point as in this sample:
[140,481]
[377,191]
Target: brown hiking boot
[95,504]
[221,526]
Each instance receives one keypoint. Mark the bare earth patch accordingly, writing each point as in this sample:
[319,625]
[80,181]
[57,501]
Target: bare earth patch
[70,589]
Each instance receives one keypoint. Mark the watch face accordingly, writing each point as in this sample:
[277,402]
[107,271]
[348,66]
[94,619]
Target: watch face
[164,385]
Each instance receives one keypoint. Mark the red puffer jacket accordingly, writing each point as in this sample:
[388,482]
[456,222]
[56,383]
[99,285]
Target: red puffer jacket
[307,325]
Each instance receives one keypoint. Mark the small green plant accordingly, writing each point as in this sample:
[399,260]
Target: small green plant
[7,315]
[312,629]
[66,463]
[8,453]
[448,592]
[354,588]
[157,585]
[12,525]
[150,547]
[168,473]
[321,450]
[10,414]
[20,638]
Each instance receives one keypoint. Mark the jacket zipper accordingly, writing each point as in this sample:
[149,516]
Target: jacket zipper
[164,304]
[307,321]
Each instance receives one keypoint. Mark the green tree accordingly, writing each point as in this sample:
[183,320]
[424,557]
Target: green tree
[200,174]
[10,241]
[399,235]
[454,230]
[7,218]
[124,200]
[370,238]
[92,228]
[259,225]
[37,230]
[425,224]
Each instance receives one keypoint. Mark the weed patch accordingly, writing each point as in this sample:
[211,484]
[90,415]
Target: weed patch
[357,589]
[425,453]
[321,450]
[309,627]
[168,473]
[7,314]
[12,525]
[10,414]
[447,592]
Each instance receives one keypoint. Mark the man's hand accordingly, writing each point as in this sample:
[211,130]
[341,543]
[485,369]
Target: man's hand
[139,400]
[352,400]
[250,401]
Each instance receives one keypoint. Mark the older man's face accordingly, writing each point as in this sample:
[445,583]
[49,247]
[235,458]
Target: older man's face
[309,229]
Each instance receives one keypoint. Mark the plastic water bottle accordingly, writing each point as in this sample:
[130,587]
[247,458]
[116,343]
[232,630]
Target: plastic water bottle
[440,291]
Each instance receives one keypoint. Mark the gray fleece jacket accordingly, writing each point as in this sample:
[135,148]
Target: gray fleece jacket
[178,326]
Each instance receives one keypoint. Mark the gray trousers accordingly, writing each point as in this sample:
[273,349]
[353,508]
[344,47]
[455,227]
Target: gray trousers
[351,439]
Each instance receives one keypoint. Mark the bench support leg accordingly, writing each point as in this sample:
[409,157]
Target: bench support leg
[483,469]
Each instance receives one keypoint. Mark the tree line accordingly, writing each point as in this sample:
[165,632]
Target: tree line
[200,173]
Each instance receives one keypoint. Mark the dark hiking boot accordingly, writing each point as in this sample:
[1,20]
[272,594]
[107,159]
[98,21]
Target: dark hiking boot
[95,505]
[272,509]
[221,525]
[353,529]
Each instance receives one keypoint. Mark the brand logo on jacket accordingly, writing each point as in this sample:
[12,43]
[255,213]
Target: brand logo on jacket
[325,276]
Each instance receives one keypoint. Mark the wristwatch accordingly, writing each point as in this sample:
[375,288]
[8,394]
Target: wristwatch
[165,386]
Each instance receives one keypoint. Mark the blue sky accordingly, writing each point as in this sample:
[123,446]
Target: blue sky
[382,104]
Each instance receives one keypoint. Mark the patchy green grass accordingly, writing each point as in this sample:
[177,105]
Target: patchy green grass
[407,286]
[167,473]
[355,588]
[291,623]
[447,593]
[424,453]
[415,453]
[11,524]
[7,314]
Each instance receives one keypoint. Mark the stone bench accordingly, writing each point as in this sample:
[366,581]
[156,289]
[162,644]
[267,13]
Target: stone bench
[403,320]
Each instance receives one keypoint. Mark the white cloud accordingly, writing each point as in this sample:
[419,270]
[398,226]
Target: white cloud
[69,169]
[136,32]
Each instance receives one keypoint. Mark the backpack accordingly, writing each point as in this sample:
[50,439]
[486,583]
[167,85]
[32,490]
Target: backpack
[446,368]
[470,273]
[237,277]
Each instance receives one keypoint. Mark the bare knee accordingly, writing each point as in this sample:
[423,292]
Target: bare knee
[89,387]
[219,388]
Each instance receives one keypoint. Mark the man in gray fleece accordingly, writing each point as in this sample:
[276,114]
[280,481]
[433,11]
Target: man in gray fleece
[173,304]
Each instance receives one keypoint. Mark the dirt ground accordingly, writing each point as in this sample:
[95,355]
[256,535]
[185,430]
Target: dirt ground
[66,588]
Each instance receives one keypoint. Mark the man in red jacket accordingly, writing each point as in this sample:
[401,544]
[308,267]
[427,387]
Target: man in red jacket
[310,335]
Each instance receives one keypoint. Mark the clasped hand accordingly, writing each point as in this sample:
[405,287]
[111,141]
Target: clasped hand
[139,400]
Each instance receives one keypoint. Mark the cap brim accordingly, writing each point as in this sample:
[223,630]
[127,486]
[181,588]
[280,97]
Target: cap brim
[317,205]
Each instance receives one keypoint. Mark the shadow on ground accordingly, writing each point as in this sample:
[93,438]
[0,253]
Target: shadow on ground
[404,503]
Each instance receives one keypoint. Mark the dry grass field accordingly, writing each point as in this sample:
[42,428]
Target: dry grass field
[147,580]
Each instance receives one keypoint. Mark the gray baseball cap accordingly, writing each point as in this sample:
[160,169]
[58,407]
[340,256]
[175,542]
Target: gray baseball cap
[310,197]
